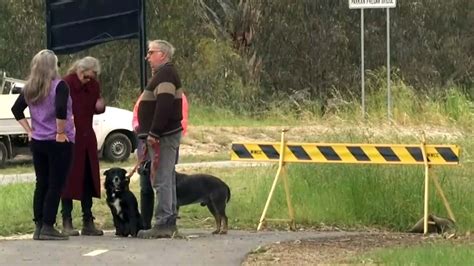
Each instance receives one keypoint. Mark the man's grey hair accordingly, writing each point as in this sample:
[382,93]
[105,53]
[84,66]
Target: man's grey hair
[164,46]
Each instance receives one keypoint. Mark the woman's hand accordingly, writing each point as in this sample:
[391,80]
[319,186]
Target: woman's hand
[26,126]
[61,137]
[100,106]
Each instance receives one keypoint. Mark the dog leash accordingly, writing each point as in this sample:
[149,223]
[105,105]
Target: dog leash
[154,161]
[139,162]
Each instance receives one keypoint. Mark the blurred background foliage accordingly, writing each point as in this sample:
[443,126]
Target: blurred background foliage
[256,55]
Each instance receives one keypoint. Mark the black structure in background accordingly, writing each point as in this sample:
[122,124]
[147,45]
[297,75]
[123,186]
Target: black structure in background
[75,25]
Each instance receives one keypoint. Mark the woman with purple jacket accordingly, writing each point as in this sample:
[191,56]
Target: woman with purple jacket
[51,136]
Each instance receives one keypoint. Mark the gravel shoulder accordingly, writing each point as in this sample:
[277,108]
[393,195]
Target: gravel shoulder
[346,249]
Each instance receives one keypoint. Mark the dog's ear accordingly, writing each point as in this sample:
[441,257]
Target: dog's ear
[106,172]
[123,172]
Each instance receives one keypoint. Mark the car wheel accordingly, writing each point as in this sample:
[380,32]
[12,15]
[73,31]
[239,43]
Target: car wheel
[117,147]
[3,154]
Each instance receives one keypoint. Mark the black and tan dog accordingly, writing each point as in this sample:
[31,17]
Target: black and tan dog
[205,189]
[122,203]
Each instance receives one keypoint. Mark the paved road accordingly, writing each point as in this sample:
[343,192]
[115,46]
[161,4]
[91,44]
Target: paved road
[201,248]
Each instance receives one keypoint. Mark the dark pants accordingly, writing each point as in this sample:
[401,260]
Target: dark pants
[147,195]
[147,200]
[52,162]
[86,201]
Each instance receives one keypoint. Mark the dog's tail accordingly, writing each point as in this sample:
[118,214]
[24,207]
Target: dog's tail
[228,194]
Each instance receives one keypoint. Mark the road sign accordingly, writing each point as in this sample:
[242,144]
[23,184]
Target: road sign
[359,4]
[365,4]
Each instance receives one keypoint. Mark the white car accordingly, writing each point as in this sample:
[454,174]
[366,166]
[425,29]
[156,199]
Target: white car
[113,128]
[115,137]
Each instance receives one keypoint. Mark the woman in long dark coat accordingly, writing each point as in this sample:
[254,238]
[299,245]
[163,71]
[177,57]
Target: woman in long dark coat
[84,180]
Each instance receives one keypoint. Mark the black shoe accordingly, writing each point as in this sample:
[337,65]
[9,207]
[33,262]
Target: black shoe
[157,231]
[68,228]
[89,229]
[36,234]
[48,232]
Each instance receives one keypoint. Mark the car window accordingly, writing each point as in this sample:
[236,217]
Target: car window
[6,88]
[17,90]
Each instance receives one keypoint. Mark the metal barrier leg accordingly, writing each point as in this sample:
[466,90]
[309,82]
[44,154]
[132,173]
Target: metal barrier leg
[291,212]
[270,195]
[443,197]
[427,181]
[281,164]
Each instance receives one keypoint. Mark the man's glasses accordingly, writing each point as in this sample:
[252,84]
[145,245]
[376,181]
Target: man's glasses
[150,52]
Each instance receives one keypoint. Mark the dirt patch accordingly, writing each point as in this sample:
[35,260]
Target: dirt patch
[209,141]
[341,250]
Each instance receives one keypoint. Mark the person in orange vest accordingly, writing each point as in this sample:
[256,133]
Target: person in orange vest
[147,195]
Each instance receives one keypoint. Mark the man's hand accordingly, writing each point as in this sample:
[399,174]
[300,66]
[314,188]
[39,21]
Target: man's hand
[152,140]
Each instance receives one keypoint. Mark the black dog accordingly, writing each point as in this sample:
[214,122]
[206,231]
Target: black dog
[122,203]
[205,189]
[209,191]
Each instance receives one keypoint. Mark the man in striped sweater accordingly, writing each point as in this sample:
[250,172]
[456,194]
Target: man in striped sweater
[159,117]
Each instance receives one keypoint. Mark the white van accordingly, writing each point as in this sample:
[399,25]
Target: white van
[113,128]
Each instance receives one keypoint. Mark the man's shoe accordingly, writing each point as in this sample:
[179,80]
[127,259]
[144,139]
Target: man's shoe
[175,234]
[173,228]
[48,232]
[89,229]
[157,231]
[68,228]
[37,231]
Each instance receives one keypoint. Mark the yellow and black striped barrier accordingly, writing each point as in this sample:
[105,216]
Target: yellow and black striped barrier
[286,152]
[346,153]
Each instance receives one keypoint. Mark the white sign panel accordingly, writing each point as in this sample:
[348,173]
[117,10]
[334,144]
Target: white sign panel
[354,4]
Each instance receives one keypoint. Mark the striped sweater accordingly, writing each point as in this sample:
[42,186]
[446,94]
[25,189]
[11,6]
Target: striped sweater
[160,107]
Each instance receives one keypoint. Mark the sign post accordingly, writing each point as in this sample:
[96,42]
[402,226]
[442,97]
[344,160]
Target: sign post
[363,4]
